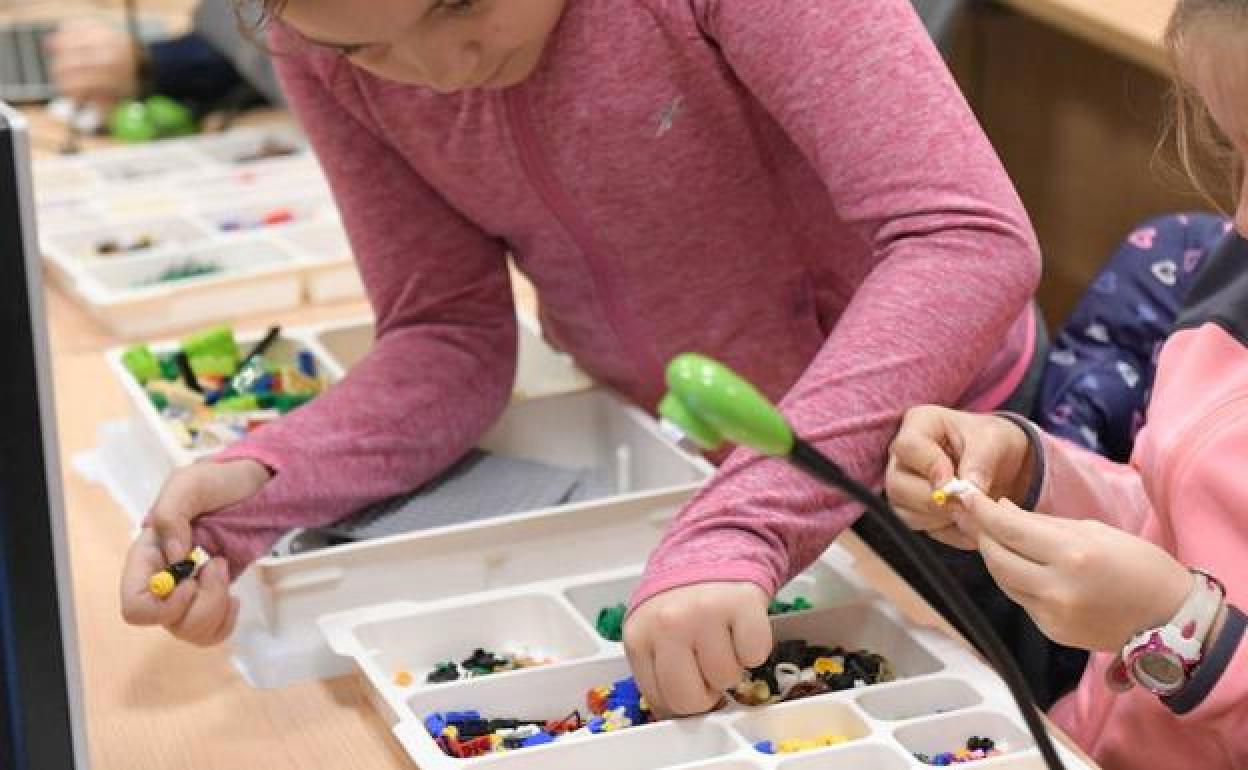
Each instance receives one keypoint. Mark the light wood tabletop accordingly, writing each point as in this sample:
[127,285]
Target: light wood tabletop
[153,703]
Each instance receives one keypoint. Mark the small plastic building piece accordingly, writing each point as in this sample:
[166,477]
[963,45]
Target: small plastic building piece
[162,583]
[403,678]
[141,363]
[779,607]
[610,623]
[270,148]
[976,748]
[182,271]
[955,487]
[794,745]
[444,672]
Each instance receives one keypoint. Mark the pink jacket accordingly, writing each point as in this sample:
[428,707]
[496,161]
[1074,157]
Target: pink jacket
[1185,489]
[793,186]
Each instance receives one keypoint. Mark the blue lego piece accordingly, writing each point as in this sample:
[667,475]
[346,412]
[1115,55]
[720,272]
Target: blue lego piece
[765,747]
[435,724]
[263,385]
[596,725]
[307,363]
[627,695]
[462,716]
[538,740]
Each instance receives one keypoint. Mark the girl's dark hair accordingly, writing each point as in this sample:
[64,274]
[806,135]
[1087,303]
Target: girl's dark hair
[1201,145]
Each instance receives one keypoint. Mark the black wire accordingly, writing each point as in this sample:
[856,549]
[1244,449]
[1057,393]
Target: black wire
[814,462]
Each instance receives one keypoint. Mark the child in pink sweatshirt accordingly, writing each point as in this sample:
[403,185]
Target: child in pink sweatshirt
[1145,564]
[794,186]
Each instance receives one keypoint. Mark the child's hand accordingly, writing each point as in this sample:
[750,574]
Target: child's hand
[688,645]
[200,610]
[1085,583]
[93,62]
[933,445]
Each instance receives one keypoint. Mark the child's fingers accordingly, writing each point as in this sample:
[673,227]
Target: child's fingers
[209,609]
[227,624]
[918,448]
[641,659]
[750,630]
[1035,537]
[681,686]
[1022,580]
[717,659]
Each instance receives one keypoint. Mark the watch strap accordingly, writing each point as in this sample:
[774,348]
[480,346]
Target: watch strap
[1206,675]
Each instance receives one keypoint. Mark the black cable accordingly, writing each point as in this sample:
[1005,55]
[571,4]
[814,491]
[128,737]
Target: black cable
[812,461]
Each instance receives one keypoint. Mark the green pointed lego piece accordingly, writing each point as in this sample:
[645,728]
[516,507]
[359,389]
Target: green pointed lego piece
[142,363]
[712,404]
[212,351]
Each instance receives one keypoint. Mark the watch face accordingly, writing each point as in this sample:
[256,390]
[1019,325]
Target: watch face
[1161,672]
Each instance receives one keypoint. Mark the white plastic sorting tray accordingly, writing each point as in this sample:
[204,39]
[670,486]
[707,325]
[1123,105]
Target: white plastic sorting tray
[942,695]
[179,193]
[556,418]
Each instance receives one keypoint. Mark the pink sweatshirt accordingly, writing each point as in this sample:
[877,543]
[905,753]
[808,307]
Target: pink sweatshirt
[796,187]
[1185,489]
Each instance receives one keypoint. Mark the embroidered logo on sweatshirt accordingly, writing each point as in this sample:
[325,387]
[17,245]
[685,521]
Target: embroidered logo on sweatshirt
[667,116]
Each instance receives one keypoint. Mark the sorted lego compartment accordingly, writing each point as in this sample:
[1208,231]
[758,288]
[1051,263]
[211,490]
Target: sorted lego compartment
[919,699]
[802,726]
[928,739]
[124,238]
[268,211]
[181,288]
[490,636]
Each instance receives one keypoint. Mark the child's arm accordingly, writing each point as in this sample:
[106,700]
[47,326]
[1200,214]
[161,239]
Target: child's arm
[861,90]
[441,369]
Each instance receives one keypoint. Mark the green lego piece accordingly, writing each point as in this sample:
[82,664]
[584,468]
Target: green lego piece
[158,400]
[212,351]
[610,622]
[141,363]
[169,368]
[247,403]
[779,607]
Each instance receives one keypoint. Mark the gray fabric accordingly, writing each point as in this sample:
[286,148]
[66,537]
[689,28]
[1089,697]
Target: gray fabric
[217,23]
[1023,399]
[480,486]
[939,17]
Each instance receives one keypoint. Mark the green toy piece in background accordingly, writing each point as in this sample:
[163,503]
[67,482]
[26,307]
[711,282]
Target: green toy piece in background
[156,117]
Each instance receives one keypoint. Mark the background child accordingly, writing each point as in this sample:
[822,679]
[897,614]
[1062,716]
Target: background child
[796,187]
[1105,565]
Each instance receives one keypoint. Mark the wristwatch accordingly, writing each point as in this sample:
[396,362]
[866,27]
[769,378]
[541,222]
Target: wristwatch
[1161,660]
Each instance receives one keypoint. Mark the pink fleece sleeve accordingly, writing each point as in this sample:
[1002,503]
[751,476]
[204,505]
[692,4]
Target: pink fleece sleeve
[1079,484]
[442,366]
[864,94]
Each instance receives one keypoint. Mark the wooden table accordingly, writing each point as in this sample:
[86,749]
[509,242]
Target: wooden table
[153,703]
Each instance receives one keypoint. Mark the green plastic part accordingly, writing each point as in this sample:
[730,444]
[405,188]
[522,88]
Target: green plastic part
[247,403]
[158,400]
[216,348]
[779,607]
[157,117]
[141,363]
[610,622]
[170,118]
[712,404]
[169,367]
[129,123]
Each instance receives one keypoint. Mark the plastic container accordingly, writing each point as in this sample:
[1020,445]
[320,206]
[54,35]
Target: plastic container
[215,192]
[942,694]
[128,295]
